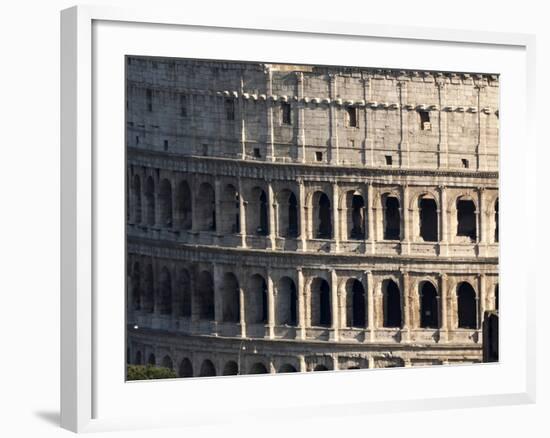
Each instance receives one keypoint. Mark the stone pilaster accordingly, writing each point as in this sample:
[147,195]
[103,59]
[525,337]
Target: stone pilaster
[334,304]
[242,215]
[270,306]
[242,309]
[371,323]
[270,117]
[406,218]
[371,219]
[301,140]
[335,217]
[442,148]
[443,312]
[302,363]
[367,146]
[333,115]
[372,363]
[272,208]
[406,301]
[242,107]
[302,215]
[481,301]
[444,214]
[479,231]
[301,306]
[404,159]
[482,211]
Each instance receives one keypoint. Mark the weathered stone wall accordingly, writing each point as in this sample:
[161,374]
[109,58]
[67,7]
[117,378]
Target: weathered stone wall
[289,203]
[462,131]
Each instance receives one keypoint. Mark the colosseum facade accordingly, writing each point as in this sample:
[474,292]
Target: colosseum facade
[289,218]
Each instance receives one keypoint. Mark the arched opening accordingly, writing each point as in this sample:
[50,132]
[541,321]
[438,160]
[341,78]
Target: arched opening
[150,200]
[392,218]
[165,302]
[136,286]
[292,230]
[231,293]
[260,213]
[184,206]
[287,368]
[355,300]
[186,368]
[428,219]
[356,218]
[139,358]
[496,221]
[184,286]
[205,296]
[136,198]
[207,369]
[392,304]
[467,306]
[229,222]
[322,219]
[466,218]
[321,312]
[258,368]
[286,302]
[288,214]
[320,368]
[167,362]
[206,208]
[429,306]
[149,295]
[257,300]
[165,201]
[152,360]
[231,368]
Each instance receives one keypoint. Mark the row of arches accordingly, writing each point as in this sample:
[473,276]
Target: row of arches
[179,209]
[247,301]
[208,369]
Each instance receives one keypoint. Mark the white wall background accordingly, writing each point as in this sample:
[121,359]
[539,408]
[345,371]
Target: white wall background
[29,214]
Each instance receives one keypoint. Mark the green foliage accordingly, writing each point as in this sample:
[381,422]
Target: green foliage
[148,372]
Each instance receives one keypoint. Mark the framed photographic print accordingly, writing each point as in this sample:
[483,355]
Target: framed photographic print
[246,203]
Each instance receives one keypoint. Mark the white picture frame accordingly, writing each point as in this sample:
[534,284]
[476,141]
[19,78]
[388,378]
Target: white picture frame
[84,371]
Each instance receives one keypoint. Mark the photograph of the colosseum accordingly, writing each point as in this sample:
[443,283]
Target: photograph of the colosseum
[295,218]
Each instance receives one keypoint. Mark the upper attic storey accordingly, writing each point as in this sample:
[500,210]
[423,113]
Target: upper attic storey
[314,114]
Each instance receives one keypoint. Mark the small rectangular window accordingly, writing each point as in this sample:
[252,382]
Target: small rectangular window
[257,153]
[389,160]
[165,145]
[129,61]
[286,113]
[425,123]
[465,163]
[229,109]
[352,117]
[149,97]
[183,105]
[155,65]
[137,139]
[205,149]
[318,156]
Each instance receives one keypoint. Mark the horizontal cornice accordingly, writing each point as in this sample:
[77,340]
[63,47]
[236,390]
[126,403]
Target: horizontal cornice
[272,170]
[284,259]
